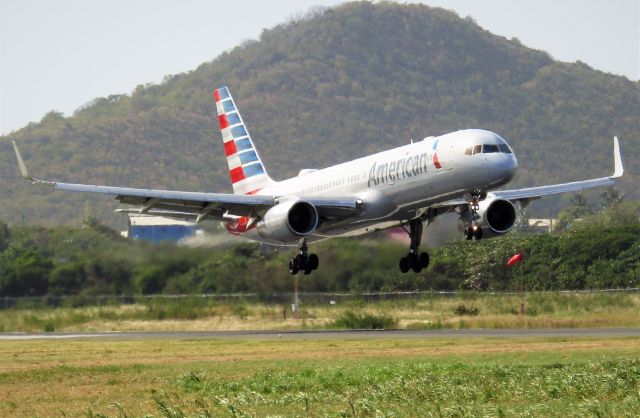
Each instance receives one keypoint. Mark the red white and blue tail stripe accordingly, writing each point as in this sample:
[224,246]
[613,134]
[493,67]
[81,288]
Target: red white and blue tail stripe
[246,170]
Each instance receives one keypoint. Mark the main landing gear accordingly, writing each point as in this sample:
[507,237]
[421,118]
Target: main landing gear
[413,260]
[304,261]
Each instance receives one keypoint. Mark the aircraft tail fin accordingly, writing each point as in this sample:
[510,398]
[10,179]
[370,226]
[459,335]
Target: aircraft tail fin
[246,170]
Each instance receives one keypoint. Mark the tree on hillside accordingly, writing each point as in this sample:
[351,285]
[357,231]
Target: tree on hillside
[611,196]
[579,209]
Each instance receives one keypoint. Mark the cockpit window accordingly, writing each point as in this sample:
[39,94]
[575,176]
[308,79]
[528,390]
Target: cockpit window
[505,148]
[488,149]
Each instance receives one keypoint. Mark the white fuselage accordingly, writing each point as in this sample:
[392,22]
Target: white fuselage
[402,181]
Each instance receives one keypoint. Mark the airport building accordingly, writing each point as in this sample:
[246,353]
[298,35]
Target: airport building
[158,228]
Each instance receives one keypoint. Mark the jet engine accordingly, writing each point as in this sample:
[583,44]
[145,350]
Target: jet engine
[496,216]
[288,221]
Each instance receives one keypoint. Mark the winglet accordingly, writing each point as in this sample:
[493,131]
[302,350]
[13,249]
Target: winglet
[23,168]
[619,169]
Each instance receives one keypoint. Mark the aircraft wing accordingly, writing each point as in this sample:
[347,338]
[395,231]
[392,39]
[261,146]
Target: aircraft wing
[194,205]
[531,193]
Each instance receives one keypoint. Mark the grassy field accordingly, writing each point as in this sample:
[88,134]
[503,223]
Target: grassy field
[429,311]
[361,378]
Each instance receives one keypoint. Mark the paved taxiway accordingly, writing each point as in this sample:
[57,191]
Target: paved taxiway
[331,335]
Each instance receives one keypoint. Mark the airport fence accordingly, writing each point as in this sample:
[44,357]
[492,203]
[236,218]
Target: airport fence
[24,302]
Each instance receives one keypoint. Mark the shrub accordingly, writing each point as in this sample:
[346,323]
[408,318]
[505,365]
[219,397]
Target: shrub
[352,320]
[49,326]
[463,309]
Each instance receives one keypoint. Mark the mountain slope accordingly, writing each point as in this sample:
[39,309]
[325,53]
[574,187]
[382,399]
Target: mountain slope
[335,85]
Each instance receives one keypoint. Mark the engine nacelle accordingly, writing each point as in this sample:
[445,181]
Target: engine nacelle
[497,216]
[288,221]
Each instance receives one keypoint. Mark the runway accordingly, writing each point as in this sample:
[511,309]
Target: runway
[331,334]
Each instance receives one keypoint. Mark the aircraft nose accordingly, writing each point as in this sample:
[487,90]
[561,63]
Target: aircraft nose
[509,166]
[505,167]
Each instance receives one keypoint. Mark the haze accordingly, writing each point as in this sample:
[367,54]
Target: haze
[60,55]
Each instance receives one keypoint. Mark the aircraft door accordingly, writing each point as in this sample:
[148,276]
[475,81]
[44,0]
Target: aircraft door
[450,156]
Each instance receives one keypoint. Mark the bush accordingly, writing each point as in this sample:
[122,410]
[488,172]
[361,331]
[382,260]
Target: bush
[352,320]
[181,309]
[463,309]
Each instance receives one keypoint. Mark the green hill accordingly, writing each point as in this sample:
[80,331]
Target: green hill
[334,85]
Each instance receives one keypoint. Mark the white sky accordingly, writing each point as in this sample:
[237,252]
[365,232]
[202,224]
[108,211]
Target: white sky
[61,54]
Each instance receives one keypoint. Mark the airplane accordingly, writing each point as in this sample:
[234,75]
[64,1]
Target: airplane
[410,185]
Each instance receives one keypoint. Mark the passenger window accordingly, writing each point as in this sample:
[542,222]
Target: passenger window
[477,149]
[489,148]
[505,148]
[467,151]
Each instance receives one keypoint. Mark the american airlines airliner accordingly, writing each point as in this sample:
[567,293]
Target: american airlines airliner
[406,186]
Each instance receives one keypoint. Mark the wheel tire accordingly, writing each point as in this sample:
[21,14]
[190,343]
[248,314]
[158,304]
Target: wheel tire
[424,260]
[307,271]
[404,264]
[478,234]
[293,266]
[416,266]
[468,234]
[314,261]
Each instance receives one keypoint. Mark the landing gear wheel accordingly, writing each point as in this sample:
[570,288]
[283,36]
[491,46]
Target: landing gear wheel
[416,265]
[404,264]
[477,233]
[314,261]
[424,260]
[468,234]
[293,266]
[304,261]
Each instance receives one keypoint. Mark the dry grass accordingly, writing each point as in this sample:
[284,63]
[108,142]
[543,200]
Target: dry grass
[493,311]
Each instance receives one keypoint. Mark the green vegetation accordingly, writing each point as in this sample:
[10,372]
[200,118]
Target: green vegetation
[600,251]
[419,388]
[355,320]
[339,83]
[455,377]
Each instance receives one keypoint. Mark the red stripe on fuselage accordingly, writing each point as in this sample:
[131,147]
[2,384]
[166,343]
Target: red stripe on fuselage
[236,174]
[216,95]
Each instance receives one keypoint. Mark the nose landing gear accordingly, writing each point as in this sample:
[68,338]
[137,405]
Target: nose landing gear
[473,231]
[470,215]
[304,261]
[413,260]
